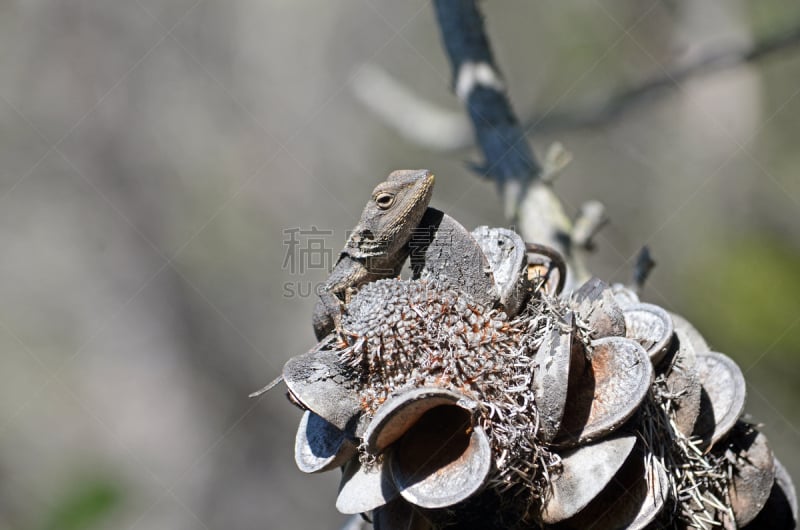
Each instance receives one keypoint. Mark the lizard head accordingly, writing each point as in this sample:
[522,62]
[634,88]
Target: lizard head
[393,211]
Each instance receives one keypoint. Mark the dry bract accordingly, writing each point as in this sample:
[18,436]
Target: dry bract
[651,327]
[754,473]
[551,378]
[681,384]
[609,384]
[585,472]
[632,500]
[780,511]
[364,488]
[319,446]
[684,327]
[725,388]
[441,460]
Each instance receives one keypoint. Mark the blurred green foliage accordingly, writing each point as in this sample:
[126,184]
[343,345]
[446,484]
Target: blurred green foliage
[84,506]
[748,302]
[770,16]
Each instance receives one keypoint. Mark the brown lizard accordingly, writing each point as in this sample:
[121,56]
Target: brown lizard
[378,245]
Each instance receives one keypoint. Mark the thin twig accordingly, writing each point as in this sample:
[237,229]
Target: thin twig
[617,104]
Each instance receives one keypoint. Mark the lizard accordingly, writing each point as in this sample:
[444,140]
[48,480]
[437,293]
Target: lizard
[378,246]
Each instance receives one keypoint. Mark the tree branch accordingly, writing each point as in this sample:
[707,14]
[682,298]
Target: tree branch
[529,200]
[479,85]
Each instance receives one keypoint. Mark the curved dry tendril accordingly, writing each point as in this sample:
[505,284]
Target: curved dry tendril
[556,260]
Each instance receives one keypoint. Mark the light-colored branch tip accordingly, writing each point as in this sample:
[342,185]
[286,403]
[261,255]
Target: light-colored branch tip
[591,218]
[555,160]
[415,119]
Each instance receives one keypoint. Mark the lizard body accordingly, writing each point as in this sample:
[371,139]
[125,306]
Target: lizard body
[378,245]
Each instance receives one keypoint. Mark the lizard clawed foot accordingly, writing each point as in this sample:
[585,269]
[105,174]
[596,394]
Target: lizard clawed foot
[342,335]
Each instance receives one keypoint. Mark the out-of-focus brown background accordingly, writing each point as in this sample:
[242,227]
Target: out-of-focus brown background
[155,157]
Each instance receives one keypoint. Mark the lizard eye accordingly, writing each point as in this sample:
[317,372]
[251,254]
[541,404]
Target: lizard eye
[384,200]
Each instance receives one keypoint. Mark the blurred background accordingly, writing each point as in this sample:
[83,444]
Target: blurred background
[157,159]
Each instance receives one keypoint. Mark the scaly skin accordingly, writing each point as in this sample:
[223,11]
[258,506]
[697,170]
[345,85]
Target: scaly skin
[378,245]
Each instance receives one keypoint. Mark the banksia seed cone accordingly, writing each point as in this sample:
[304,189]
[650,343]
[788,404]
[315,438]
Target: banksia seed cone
[530,410]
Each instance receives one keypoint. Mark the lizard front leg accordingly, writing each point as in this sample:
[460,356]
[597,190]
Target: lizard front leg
[327,314]
[349,273]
